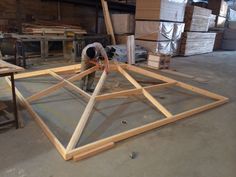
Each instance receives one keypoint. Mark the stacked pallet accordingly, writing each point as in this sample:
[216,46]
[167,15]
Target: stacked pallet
[197,43]
[197,39]
[219,8]
[197,18]
[159,25]
[43,27]
[123,26]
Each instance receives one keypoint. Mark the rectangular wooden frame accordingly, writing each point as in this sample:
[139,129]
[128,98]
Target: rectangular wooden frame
[98,146]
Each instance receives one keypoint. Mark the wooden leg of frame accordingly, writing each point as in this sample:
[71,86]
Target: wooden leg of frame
[93,152]
[85,116]
[144,128]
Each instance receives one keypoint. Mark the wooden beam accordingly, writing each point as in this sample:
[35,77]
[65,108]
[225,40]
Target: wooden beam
[45,71]
[118,94]
[108,22]
[153,100]
[132,91]
[144,128]
[85,116]
[180,84]
[59,85]
[40,122]
[160,86]
[93,152]
[70,85]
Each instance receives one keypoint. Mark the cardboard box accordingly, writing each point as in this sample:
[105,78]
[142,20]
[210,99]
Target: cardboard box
[160,10]
[123,23]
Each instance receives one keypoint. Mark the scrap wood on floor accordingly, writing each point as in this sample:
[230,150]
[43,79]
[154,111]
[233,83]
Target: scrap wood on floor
[77,153]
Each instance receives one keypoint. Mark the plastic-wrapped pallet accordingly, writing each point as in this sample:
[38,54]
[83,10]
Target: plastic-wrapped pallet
[159,37]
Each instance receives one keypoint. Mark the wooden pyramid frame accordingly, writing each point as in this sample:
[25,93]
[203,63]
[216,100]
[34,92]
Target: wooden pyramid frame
[98,146]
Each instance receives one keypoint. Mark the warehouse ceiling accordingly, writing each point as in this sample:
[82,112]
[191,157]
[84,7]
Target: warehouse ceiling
[112,5]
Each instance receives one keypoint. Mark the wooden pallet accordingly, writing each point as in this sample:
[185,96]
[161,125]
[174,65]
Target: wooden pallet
[71,152]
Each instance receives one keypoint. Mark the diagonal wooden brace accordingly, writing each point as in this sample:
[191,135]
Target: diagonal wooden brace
[85,116]
[60,85]
[146,93]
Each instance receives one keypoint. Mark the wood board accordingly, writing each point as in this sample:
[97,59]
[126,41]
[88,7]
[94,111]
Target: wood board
[70,152]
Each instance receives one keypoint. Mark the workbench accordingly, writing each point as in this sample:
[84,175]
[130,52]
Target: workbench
[7,69]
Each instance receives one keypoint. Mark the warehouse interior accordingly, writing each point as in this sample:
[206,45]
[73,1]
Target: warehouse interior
[161,100]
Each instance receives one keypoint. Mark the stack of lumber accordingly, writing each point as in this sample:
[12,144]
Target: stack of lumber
[123,23]
[197,43]
[197,18]
[212,22]
[50,28]
[219,8]
[159,25]
[167,10]
[196,39]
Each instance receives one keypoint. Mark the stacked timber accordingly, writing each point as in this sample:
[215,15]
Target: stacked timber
[219,8]
[123,26]
[197,43]
[197,18]
[196,39]
[44,27]
[159,25]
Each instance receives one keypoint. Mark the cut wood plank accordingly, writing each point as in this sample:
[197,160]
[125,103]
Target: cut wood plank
[144,128]
[93,152]
[132,91]
[181,84]
[108,22]
[70,85]
[118,94]
[45,71]
[153,100]
[59,85]
[85,116]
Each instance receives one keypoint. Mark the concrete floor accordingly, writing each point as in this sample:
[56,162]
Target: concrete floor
[204,145]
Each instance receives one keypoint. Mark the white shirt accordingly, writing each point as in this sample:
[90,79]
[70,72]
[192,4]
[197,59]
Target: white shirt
[98,49]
